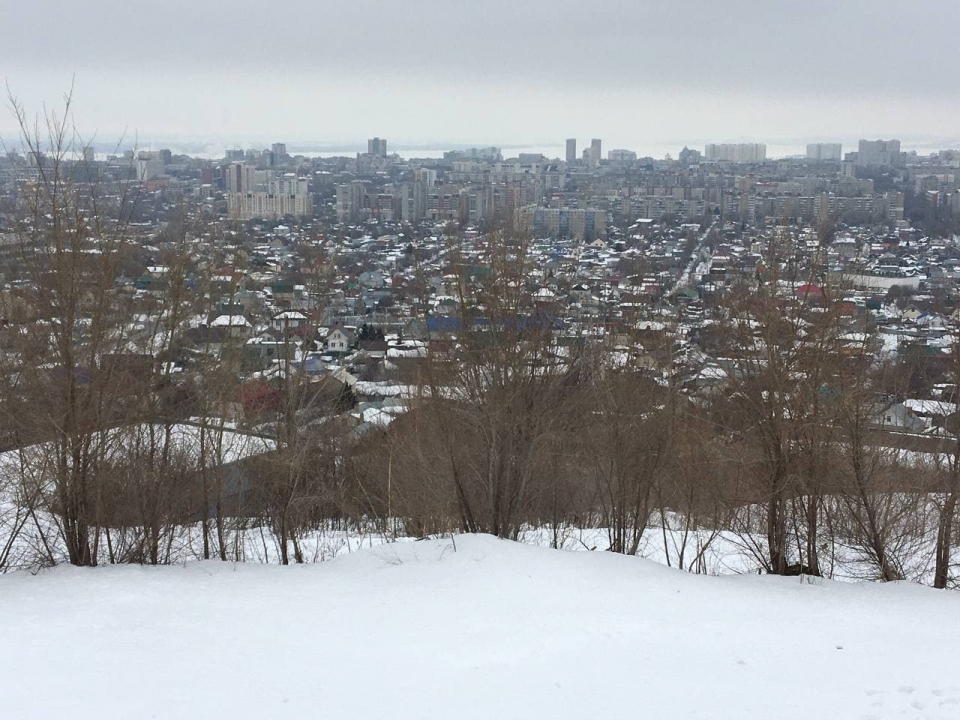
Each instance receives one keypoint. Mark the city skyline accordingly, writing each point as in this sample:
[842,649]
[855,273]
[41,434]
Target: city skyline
[215,148]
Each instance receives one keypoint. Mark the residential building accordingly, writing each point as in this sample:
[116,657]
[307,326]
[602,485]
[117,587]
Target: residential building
[377,146]
[622,156]
[595,152]
[341,339]
[240,178]
[831,152]
[578,224]
[350,201]
[150,164]
[879,153]
[736,152]
[490,154]
[571,151]
[690,157]
[427,176]
[279,197]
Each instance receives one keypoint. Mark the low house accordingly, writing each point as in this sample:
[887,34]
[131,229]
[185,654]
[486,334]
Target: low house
[710,379]
[151,284]
[931,321]
[265,348]
[372,279]
[236,326]
[341,339]
[208,339]
[933,413]
[810,293]
[899,417]
[288,320]
[283,292]
[912,313]
[580,292]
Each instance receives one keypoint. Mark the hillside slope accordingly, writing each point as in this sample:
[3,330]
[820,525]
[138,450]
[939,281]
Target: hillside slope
[483,629]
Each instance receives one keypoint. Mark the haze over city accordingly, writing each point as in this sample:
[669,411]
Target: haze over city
[645,76]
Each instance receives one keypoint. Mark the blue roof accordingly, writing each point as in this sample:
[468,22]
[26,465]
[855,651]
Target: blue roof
[447,324]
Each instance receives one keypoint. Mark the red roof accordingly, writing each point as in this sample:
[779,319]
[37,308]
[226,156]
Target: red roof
[809,289]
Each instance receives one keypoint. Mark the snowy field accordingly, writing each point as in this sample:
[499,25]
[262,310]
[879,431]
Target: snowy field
[479,628]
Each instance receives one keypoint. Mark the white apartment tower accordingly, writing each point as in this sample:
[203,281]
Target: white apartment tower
[275,198]
[351,198]
[621,156]
[736,152]
[595,152]
[831,152]
[879,153]
[240,178]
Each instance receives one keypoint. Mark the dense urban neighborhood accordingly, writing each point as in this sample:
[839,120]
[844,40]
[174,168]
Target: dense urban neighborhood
[482,344]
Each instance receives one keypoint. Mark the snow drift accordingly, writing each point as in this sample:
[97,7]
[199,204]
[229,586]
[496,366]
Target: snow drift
[471,628]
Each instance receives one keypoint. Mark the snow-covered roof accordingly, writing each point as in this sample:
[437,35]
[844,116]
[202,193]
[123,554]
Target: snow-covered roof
[230,321]
[930,407]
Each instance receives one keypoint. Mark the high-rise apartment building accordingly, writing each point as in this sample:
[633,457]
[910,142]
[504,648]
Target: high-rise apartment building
[571,151]
[150,164]
[622,156]
[595,152]
[240,178]
[350,201]
[879,153]
[689,157]
[427,176]
[274,198]
[279,151]
[579,224]
[491,154]
[736,152]
[832,152]
[377,146]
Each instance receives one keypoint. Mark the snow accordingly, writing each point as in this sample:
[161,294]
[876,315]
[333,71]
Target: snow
[184,443]
[416,352]
[384,389]
[471,628]
[375,416]
[930,407]
[230,321]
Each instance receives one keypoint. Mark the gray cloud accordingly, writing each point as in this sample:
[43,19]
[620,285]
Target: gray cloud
[335,69]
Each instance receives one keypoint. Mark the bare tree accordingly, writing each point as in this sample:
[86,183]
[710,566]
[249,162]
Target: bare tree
[72,238]
[948,494]
[499,389]
[629,438]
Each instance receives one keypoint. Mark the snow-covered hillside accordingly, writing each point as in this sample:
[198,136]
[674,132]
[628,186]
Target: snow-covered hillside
[480,629]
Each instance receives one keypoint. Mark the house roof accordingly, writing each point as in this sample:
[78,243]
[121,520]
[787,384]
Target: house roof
[930,407]
[230,321]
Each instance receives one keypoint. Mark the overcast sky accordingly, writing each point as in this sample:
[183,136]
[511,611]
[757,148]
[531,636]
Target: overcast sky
[638,74]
